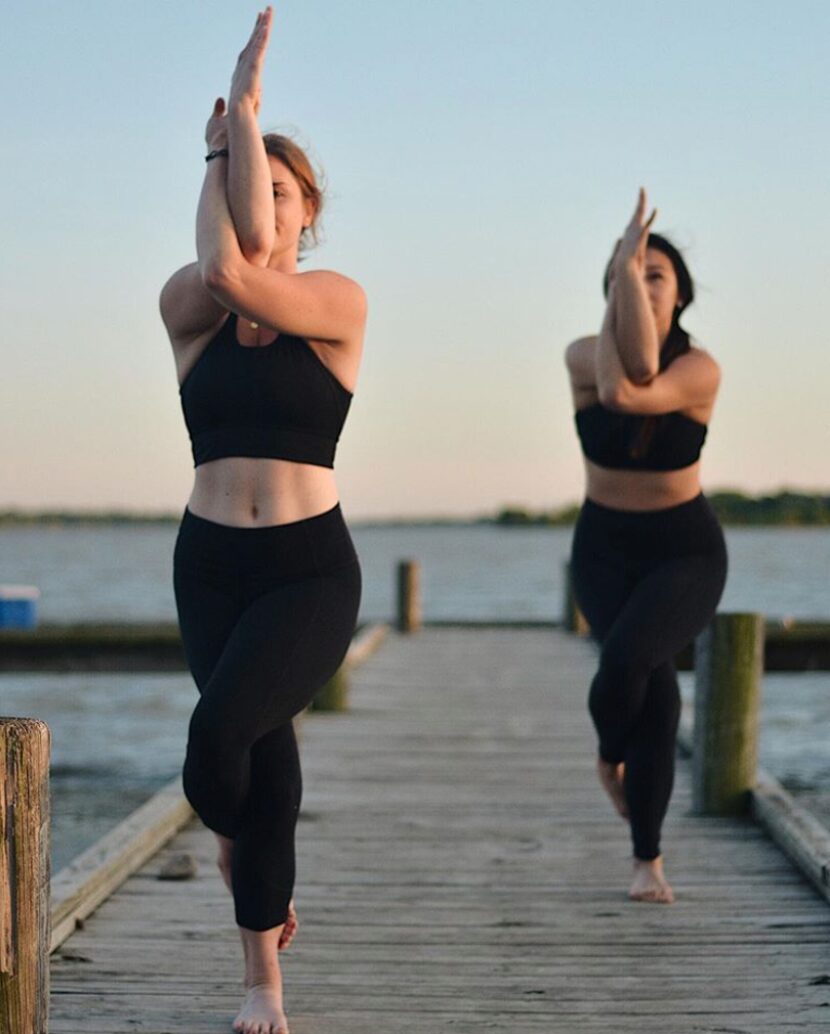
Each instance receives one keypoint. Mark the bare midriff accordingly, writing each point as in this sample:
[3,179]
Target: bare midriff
[252,492]
[641,489]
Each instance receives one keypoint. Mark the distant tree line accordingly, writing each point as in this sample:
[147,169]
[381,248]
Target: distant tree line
[60,518]
[732,507]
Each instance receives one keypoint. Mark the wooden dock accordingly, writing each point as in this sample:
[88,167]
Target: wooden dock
[460,870]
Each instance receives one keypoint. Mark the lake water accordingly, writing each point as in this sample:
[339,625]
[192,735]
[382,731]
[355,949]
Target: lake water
[480,571]
[116,738]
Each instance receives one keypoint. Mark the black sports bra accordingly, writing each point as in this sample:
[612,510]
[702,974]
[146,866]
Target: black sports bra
[612,439]
[278,400]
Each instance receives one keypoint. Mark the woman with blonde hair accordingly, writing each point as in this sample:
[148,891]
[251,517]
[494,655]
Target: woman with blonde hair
[266,577]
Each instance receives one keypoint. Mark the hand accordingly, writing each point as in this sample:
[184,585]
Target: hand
[216,130]
[245,84]
[631,247]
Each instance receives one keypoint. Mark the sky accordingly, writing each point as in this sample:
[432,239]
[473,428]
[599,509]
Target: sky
[480,158]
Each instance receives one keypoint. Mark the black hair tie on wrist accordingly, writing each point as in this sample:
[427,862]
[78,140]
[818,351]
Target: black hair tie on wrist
[220,151]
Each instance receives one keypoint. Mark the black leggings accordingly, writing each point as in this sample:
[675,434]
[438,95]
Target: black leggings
[266,617]
[648,583]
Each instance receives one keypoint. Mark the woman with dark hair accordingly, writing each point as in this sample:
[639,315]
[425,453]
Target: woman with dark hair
[648,558]
[266,577]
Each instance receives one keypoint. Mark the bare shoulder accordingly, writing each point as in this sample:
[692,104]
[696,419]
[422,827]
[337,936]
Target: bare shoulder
[702,354]
[187,308]
[703,361]
[581,349]
[330,281]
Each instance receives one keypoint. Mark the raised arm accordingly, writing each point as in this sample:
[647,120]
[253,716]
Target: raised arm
[610,372]
[319,304]
[188,309]
[691,380]
[593,363]
[250,190]
[635,329]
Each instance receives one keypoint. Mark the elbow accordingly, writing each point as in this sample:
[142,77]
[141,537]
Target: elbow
[643,373]
[217,276]
[257,251]
[611,395]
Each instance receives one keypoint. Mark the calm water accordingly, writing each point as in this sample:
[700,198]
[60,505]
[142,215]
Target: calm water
[116,738]
[124,574]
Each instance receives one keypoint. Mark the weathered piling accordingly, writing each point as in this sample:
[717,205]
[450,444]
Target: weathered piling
[573,620]
[24,876]
[409,596]
[728,667]
[334,694]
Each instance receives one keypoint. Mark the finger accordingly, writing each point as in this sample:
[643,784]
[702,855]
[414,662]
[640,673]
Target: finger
[252,37]
[649,221]
[641,205]
[268,22]
[264,30]
[642,243]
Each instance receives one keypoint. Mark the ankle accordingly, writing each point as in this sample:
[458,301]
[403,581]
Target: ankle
[271,980]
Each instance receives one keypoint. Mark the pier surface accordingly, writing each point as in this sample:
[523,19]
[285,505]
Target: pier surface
[460,870]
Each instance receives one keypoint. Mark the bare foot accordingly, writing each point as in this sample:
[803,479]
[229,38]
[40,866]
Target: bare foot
[224,858]
[289,929]
[611,777]
[261,1011]
[649,883]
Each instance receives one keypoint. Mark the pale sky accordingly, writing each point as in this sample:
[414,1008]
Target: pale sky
[481,158]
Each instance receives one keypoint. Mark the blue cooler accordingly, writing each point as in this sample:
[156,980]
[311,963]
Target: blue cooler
[18,606]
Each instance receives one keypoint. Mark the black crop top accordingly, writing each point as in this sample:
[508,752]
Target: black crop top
[278,400]
[610,438]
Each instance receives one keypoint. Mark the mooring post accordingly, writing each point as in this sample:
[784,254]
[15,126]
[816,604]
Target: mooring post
[334,695]
[409,596]
[24,876]
[729,659]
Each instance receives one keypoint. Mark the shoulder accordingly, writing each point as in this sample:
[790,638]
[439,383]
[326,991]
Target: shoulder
[702,360]
[336,283]
[580,349]
[176,286]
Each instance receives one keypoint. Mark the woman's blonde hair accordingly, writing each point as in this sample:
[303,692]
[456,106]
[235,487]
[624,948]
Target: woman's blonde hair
[294,157]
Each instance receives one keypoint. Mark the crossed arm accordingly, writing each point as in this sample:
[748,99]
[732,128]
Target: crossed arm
[622,365]
[690,380]
[235,235]
[596,368]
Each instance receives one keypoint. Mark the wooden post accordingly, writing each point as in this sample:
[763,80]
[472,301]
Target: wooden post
[729,658]
[24,876]
[573,619]
[334,695]
[409,596]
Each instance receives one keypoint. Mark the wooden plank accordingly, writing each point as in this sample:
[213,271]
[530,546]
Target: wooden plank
[91,877]
[798,833]
[803,838]
[459,869]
